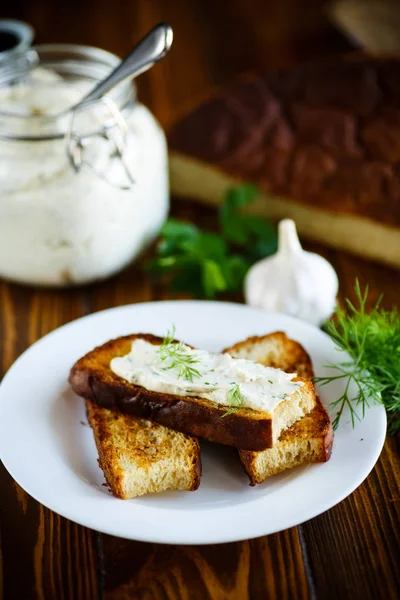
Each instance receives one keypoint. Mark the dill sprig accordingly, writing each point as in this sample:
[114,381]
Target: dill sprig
[178,357]
[236,399]
[373,342]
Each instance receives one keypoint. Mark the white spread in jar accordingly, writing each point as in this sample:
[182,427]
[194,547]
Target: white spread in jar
[225,380]
[58,226]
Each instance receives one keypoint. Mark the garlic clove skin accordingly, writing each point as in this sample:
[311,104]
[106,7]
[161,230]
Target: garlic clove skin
[293,281]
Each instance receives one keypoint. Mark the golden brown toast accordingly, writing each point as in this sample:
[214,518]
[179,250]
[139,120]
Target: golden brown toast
[275,350]
[92,378]
[308,440]
[140,457]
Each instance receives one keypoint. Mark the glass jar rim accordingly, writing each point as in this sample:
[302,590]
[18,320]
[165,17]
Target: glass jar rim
[75,60]
[23,34]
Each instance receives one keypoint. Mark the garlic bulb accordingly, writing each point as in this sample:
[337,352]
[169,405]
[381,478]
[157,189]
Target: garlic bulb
[293,281]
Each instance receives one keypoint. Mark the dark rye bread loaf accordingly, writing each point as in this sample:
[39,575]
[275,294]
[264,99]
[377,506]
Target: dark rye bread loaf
[92,378]
[322,141]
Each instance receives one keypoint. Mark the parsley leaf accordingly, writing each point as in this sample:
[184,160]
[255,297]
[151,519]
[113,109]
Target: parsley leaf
[213,278]
[207,264]
[257,236]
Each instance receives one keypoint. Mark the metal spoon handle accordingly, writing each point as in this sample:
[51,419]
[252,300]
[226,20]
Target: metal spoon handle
[148,51]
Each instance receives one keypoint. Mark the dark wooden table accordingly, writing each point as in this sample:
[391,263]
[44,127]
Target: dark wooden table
[353,550]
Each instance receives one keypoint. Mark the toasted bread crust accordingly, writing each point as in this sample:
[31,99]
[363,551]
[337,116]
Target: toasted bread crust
[282,353]
[114,477]
[308,440]
[139,451]
[92,378]
[315,426]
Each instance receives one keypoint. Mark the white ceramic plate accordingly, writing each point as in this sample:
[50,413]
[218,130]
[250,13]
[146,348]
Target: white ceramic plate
[50,452]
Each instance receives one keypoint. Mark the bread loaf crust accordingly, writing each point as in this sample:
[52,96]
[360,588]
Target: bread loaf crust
[324,134]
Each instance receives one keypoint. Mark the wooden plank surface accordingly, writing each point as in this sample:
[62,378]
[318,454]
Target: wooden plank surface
[42,553]
[349,552]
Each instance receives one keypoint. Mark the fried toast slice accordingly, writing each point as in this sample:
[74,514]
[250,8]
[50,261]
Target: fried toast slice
[92,378]
[308,440]
[275,350]
[140,457]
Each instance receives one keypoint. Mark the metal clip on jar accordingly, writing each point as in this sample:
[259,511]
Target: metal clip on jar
[82,192]
[117,134]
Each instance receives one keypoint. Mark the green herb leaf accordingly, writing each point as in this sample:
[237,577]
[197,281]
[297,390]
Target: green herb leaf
[257,234]
[236,399]
[175,356]
[213,278]
[373,341]
[173,229]
[205,245]
[207,264]
[235,269]
[188,279]
[239,197]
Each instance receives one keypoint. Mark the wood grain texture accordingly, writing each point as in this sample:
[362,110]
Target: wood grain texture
[360,535]
[349,552]
[1,564]
[41,553]
[262,568]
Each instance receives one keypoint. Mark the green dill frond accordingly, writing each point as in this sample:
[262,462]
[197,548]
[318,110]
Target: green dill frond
[175,356]
[235,397]
[373,342]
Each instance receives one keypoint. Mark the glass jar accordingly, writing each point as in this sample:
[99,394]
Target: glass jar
[80,197]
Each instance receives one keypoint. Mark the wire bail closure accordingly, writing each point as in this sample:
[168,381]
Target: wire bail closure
[115,133]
